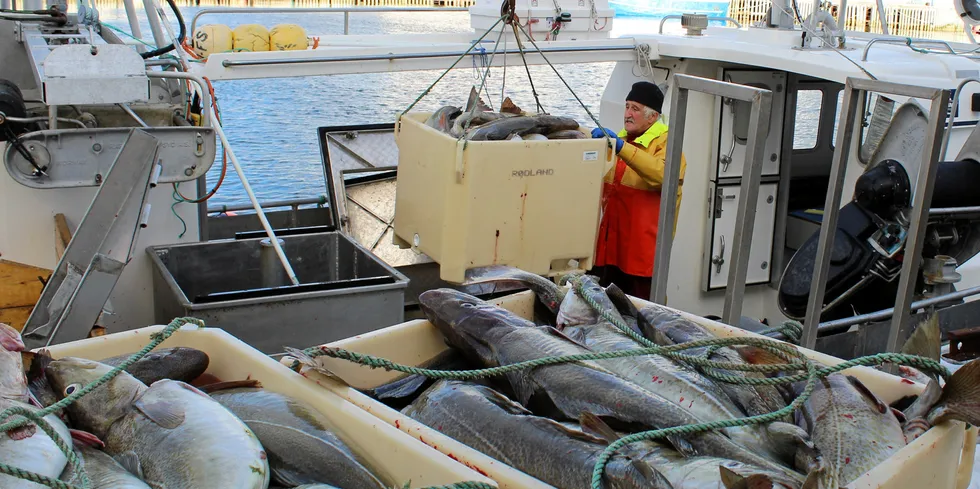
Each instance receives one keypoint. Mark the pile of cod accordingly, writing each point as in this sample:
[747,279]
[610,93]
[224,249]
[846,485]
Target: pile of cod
[552,422]
[150,427]
[479,123]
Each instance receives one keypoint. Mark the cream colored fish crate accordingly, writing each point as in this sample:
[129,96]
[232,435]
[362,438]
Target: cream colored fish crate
[942,458]
[395,457]
[529,204]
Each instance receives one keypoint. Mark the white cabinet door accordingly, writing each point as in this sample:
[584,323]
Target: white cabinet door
[723,211]
[733,136]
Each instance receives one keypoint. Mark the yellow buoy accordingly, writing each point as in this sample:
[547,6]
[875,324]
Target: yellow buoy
[212,38]
[288,37]
[251,37]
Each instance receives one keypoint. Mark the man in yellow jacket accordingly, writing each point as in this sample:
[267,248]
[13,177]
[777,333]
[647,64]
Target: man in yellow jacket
[631,194]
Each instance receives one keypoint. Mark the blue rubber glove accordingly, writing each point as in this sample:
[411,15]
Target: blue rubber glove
[601,133]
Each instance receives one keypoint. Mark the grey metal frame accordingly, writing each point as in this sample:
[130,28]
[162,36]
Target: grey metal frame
[102,245]
[761,101]
[854,89]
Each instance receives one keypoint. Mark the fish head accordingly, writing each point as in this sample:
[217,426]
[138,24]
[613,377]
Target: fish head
[13,382]
[96,411]
[468,323]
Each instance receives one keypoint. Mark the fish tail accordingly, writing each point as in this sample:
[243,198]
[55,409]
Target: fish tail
[961,397]
[926,340]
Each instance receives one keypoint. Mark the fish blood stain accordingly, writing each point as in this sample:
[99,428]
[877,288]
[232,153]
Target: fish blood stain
[398,424]
[848,416]
[847,460]
[907,381]
[682,399]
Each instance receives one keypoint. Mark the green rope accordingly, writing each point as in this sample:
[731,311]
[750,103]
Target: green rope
[28,415]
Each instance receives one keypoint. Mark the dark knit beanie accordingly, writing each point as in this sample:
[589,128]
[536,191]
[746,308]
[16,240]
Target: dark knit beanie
[648,94]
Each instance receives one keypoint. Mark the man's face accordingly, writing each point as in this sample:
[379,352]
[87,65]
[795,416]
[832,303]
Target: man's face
[635,120]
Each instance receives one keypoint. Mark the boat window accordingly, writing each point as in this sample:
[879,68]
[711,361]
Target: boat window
[807,124]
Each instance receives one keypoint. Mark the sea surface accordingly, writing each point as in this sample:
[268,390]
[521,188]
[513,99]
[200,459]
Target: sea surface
[272,123]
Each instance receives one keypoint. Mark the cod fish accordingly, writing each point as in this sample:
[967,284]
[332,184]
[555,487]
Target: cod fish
[493,336]
[301,449]
[502,129]
[102,470]
[169,434]
[179,363]
[442,119]
[697,472]
[682,385]
[489,422]
[853,429]
[29,447]
[665,327]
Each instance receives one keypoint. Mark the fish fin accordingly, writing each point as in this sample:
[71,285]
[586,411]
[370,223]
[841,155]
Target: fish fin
[36,379]
[797,447]
[131,462]
[759,356]
[899,415]
[505,403]
[595,426]
[869,396]
[555,332]
[304,359]
[961,397]
[732,480]
[509,107]
[23,432]
[167,415]
[683,446]
[926,340]
[652,477]
[821,477]
[285,477]
[231,384]
[621,301]
[403,387]
[80,437]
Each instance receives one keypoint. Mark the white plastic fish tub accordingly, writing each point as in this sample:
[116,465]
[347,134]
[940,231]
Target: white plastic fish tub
[394,457]
[468,204]
[942,458]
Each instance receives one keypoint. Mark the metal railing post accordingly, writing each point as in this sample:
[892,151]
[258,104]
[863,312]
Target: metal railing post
[761,101]
[923,187]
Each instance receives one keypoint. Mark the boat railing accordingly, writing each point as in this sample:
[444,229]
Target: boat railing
[271,204]
[911,43]
[323,10]
[675,16]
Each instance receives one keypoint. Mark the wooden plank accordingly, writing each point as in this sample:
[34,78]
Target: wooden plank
[16,316]
[19,284]
[62,234]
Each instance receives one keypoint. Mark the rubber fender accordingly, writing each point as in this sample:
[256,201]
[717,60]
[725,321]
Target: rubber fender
[251,37]
[288,37]
[212,38]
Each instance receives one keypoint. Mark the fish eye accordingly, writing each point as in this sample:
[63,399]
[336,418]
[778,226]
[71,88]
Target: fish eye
[467,305]
[71,389]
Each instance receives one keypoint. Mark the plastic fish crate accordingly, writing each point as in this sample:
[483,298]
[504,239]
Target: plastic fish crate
[529,204]
[942,458]
[395,457]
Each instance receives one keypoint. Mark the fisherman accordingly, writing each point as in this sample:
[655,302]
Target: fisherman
[631,194]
